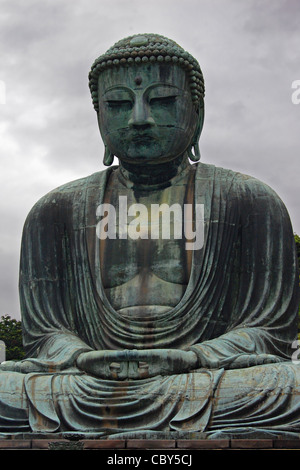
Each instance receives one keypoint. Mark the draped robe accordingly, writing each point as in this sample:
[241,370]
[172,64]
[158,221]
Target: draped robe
[241,302]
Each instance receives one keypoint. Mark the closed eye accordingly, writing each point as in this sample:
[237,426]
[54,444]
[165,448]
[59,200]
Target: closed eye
[163,100]
[118,103]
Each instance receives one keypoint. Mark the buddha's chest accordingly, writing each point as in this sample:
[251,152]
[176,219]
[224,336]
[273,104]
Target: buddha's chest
[142,237]
[164,259]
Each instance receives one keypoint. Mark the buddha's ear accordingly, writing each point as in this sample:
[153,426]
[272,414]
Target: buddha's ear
[195,156]
[108,155]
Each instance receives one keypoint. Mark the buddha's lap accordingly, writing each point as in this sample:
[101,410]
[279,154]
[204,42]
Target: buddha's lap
[283,378]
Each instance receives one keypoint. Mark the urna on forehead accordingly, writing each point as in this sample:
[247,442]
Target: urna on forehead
[147,49]
[142,76]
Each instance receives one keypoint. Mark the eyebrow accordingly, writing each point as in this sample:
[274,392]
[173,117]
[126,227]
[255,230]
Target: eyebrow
[149,87]
[117,88]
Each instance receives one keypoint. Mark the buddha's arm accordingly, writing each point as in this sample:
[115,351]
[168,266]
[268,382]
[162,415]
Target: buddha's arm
[243,347]
[261,306]
[134,364]
[51,339]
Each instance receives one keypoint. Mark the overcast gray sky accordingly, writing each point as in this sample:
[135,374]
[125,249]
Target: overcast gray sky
[249,52]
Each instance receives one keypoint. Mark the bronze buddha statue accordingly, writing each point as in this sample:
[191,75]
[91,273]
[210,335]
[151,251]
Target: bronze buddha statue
[130,334]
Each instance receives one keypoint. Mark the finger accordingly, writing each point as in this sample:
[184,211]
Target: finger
[269,359]
[133,370]
[143,370]
[123,371]
[141,355]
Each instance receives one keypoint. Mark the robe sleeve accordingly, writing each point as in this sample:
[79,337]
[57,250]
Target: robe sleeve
[262,298]
[51,338]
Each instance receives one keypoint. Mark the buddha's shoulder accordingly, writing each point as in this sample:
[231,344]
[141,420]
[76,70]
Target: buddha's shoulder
[66,195]
[234,182]
[81,184]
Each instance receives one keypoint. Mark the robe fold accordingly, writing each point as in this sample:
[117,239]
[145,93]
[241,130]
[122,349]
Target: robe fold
[241,302]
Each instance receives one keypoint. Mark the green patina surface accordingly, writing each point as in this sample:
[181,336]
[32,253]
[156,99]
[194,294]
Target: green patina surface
[135,336]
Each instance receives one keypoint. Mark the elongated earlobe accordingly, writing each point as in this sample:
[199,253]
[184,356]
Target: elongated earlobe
[108,157]
[195,157]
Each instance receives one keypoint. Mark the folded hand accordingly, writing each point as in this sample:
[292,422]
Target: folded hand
[136,364]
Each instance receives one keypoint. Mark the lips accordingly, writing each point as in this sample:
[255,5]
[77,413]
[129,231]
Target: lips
[142,138]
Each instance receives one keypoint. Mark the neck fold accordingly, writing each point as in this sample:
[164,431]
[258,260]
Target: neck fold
[153,176]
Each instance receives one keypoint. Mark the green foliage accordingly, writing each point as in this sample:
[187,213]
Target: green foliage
[11,334]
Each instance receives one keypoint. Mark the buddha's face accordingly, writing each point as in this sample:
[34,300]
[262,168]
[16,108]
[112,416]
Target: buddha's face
[146,114]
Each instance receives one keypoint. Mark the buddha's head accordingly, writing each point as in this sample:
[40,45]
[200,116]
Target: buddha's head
[149,97]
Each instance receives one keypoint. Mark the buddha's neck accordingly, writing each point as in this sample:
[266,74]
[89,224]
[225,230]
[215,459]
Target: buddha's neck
[153,175]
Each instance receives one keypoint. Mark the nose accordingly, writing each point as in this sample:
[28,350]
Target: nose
[141,116]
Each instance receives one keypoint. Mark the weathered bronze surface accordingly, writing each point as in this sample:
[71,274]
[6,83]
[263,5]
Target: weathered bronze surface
[129,332]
